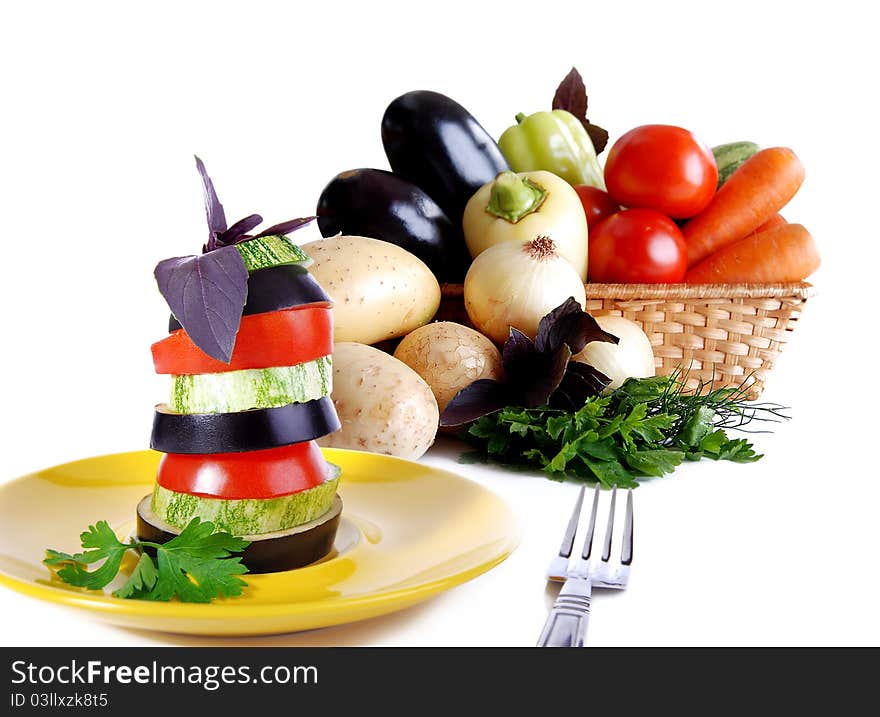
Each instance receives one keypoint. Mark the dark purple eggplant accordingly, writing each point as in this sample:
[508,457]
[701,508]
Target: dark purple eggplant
[267,553]
[436,144]
[276,288]
[254,430]
[377,204]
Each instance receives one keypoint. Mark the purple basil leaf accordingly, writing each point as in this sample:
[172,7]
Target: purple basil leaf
[547,378]
[547,339]
[576,387]
[573,392]
[569,324]
[591,380]
[286,227]
[523,363]
[206,294]
[598,136]
[479,399]
[581,329]
[238,231]
[213,208]
[571,96]
[561,400]
[518,352]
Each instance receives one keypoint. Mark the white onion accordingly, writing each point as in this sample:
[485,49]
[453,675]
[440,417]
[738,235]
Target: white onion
[633,357]
[514,284]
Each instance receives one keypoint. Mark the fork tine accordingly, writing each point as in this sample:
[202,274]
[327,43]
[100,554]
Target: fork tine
[591,528]
[606,550]
[568,540]
[626,553]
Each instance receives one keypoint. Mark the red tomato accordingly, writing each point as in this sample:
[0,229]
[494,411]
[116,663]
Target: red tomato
[275,338]
[597,204]
[661,167]
[254,474]
[637,246]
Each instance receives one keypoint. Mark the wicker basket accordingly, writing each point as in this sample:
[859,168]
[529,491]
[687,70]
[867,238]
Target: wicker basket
[730,332]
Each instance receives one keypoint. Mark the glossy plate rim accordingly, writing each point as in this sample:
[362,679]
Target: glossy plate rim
[333,612]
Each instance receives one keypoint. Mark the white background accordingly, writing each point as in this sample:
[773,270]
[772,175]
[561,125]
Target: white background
[104,106]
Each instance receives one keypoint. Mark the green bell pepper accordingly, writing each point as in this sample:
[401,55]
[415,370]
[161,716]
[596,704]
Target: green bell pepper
[554,141]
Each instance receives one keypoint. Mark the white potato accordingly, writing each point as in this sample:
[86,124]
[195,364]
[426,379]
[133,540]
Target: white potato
[384,406]
[380,291]
[449,357]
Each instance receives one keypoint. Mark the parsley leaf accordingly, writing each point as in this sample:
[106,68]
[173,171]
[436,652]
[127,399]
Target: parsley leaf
[142,579]
[611,473]
[655,462]
[698,427]
[104,545]
[194,566]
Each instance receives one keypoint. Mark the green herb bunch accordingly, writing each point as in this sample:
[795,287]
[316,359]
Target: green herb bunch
[194,566]
[645,428]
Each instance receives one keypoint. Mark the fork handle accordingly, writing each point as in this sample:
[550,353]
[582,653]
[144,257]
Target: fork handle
[567,622]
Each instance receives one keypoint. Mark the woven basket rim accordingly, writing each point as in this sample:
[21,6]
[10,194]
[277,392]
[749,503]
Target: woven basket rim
[800,289]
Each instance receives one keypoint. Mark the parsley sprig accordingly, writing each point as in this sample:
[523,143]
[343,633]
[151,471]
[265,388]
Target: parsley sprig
[195,566]
[646,428]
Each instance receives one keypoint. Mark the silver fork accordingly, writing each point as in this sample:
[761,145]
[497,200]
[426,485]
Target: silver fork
[567,622]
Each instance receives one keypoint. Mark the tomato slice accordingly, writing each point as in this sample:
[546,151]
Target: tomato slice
[256,474]
[276,338]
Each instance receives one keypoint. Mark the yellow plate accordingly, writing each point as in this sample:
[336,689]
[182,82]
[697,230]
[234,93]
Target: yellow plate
[408,532]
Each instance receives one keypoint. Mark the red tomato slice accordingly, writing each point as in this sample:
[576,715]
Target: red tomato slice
[255,474]
[276,338]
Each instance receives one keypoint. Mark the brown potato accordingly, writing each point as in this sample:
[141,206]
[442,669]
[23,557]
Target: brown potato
[384,406]
[379,290]
[449,357]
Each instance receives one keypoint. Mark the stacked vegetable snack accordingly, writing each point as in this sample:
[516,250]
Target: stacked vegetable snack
[249,355]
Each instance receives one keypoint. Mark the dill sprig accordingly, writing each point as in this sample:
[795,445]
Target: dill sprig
[670,394]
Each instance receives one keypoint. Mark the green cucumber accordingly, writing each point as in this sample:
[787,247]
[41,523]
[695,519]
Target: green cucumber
[233,391]
[274,250]
[247,516]
[730,157]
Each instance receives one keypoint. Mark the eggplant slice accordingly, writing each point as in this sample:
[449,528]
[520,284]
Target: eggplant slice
[275,289]
[253,430]
[267,553]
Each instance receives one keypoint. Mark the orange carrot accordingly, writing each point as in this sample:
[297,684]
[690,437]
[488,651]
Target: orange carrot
[782,253]
[753,194]
[777,220]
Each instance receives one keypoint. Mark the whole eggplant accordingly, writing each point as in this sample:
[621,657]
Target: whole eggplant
[437,145]
[377,204]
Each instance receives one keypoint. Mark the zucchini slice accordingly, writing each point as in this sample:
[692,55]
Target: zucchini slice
[249,388]
[267,553]
[265,252]
[253,430]
[246,516]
